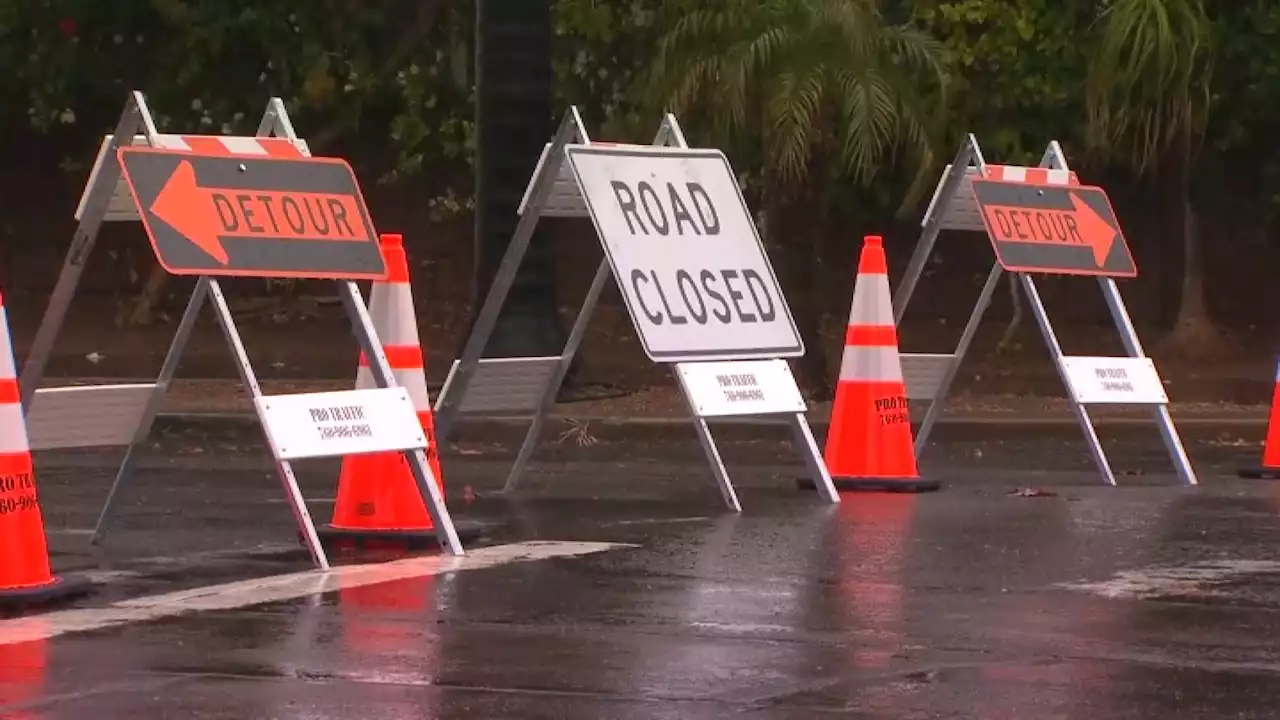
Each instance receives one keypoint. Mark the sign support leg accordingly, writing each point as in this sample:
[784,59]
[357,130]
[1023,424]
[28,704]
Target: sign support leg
[933,226]
[713,458]
[250,380]
[502,279]
[134,117]
[1055,350]
[813,457]
[1129,336]
[362,324]
[171,360]
[576,335]
[962,348]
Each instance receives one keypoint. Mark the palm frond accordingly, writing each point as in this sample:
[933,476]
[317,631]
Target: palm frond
[1149,79]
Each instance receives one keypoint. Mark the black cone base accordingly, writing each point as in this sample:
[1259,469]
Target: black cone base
[896,485]
[61,589]
[331,537]
[1259,472]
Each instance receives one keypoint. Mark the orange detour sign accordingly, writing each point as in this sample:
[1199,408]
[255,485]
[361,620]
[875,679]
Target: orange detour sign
[1270,467]
[869,444]
[25,578]
[253,217]
[1056,229]
[378,505]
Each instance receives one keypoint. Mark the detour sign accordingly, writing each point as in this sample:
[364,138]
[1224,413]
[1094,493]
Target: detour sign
[1056,229]
[253,217]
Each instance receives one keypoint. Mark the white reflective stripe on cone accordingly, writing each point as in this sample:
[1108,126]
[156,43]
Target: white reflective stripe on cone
[414,381]
[13,431]
[391,306]
[872,303]
[861,363]
[7,368]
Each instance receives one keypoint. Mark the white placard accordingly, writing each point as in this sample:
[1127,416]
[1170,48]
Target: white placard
[743,387]
[685,253]
[347,422]
[1114,381]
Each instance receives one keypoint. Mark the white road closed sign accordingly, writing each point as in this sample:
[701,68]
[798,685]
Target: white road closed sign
[685,253]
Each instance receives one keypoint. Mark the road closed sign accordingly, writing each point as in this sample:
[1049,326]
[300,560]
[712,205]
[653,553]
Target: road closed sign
[685,253]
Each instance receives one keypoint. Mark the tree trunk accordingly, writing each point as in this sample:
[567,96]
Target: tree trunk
[1194,335]
[142,308]
[513,120]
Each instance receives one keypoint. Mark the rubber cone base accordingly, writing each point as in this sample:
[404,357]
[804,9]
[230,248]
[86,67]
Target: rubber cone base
[1259,472]
[898,485]
[359,538]
[58,590]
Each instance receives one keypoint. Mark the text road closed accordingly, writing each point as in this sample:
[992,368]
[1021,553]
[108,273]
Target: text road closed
[685,253]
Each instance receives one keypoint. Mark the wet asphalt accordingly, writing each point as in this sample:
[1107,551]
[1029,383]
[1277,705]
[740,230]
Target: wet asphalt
[1149,600]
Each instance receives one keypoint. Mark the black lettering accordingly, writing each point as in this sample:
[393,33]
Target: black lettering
[627,205]
[226,212]
[679,212]
[706,211]
[293,215]
[675,319]
[243,202]
[1016,221]
[1002,222]
[646,192]
[316,212]
[266,201]
[1072,230]
[735,296]
[684,281]
[724,380]
[1057,221]
[339,213]
[1042,224]
[707,277]
[766,314]
[319,414]
[636,277]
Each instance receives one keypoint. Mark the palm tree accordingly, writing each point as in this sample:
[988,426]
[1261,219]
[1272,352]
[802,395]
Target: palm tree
[823,90]
[1148,98]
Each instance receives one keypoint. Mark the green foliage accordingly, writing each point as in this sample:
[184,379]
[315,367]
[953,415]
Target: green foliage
[382,82]
[603,50]
[1015,71]
[809,80]
[1149,79]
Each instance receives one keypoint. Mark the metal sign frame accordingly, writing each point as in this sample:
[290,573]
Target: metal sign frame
[132,420]
[531,384]
[930,375]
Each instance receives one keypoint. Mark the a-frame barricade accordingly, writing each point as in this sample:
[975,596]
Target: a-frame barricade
[1039,220]
[224,206]
[742,370]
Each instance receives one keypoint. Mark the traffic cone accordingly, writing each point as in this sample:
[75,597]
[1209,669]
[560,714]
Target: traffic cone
[1270,468]
[378,502]
[25,577]
[869,445]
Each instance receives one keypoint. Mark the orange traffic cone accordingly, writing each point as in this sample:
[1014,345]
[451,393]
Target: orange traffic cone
[378,501]
[869,444]
[25,578]
[1270,468]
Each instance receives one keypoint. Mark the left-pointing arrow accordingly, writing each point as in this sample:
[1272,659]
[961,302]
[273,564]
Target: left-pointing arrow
[189,209]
